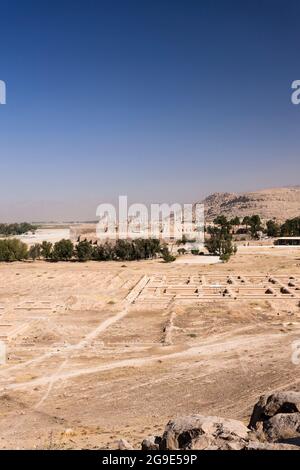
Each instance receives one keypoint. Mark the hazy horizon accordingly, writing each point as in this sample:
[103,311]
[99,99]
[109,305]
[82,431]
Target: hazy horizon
[62,220]
[153,100]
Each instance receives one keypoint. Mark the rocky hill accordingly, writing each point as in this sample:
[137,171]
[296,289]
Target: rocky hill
[278,203]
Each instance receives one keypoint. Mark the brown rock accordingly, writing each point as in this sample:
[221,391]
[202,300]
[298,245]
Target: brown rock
[270,446]
[283,426]
[151,443]
[124,445]
[204,432]
[270,405]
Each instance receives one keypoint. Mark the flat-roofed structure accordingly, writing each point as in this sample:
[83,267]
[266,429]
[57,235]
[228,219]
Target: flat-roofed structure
[287,241]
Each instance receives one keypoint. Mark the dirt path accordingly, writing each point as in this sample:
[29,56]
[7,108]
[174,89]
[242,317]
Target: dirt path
[71,347]
[214,348]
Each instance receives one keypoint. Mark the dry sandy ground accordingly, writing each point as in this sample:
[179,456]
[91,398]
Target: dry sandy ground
[45,234]
[86,366]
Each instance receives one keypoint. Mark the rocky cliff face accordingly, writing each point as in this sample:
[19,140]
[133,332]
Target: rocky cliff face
[279,203]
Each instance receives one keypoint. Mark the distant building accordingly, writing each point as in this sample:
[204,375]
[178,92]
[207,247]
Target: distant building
[287,241]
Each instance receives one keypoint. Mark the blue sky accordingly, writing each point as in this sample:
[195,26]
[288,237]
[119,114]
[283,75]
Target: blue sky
[162,100]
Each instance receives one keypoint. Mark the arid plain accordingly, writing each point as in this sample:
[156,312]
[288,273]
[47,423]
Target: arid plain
[100,351]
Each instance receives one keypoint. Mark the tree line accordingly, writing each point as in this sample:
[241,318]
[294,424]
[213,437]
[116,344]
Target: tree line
[253,225]
[220,241]
[16,229]
[65,250]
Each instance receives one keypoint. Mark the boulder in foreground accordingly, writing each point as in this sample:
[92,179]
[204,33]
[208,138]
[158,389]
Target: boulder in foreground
[276,417]
[274,425]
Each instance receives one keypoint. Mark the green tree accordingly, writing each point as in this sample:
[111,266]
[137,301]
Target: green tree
[63,250]
[154,247]
[84,251]
[166,255]
[255,225]
[103,252]
[291,228]
[16,229]
[246,221]
[13,250]
[46,249]
[272,229]
[124,250]
[220,243]
[222,221]
[35,251]
[235,221]
[98,253]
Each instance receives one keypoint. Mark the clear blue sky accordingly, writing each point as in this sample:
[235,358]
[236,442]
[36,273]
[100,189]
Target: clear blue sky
[162,100]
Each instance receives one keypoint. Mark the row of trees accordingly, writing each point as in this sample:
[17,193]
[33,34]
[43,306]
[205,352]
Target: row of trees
[220,241]
[65,250]
[16,229]
[253,225]
[290,228]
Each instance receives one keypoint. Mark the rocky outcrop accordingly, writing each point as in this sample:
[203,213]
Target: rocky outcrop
[283,427]
[204,432]
[274,425]
[269,405]
[198,432]
[276,417]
